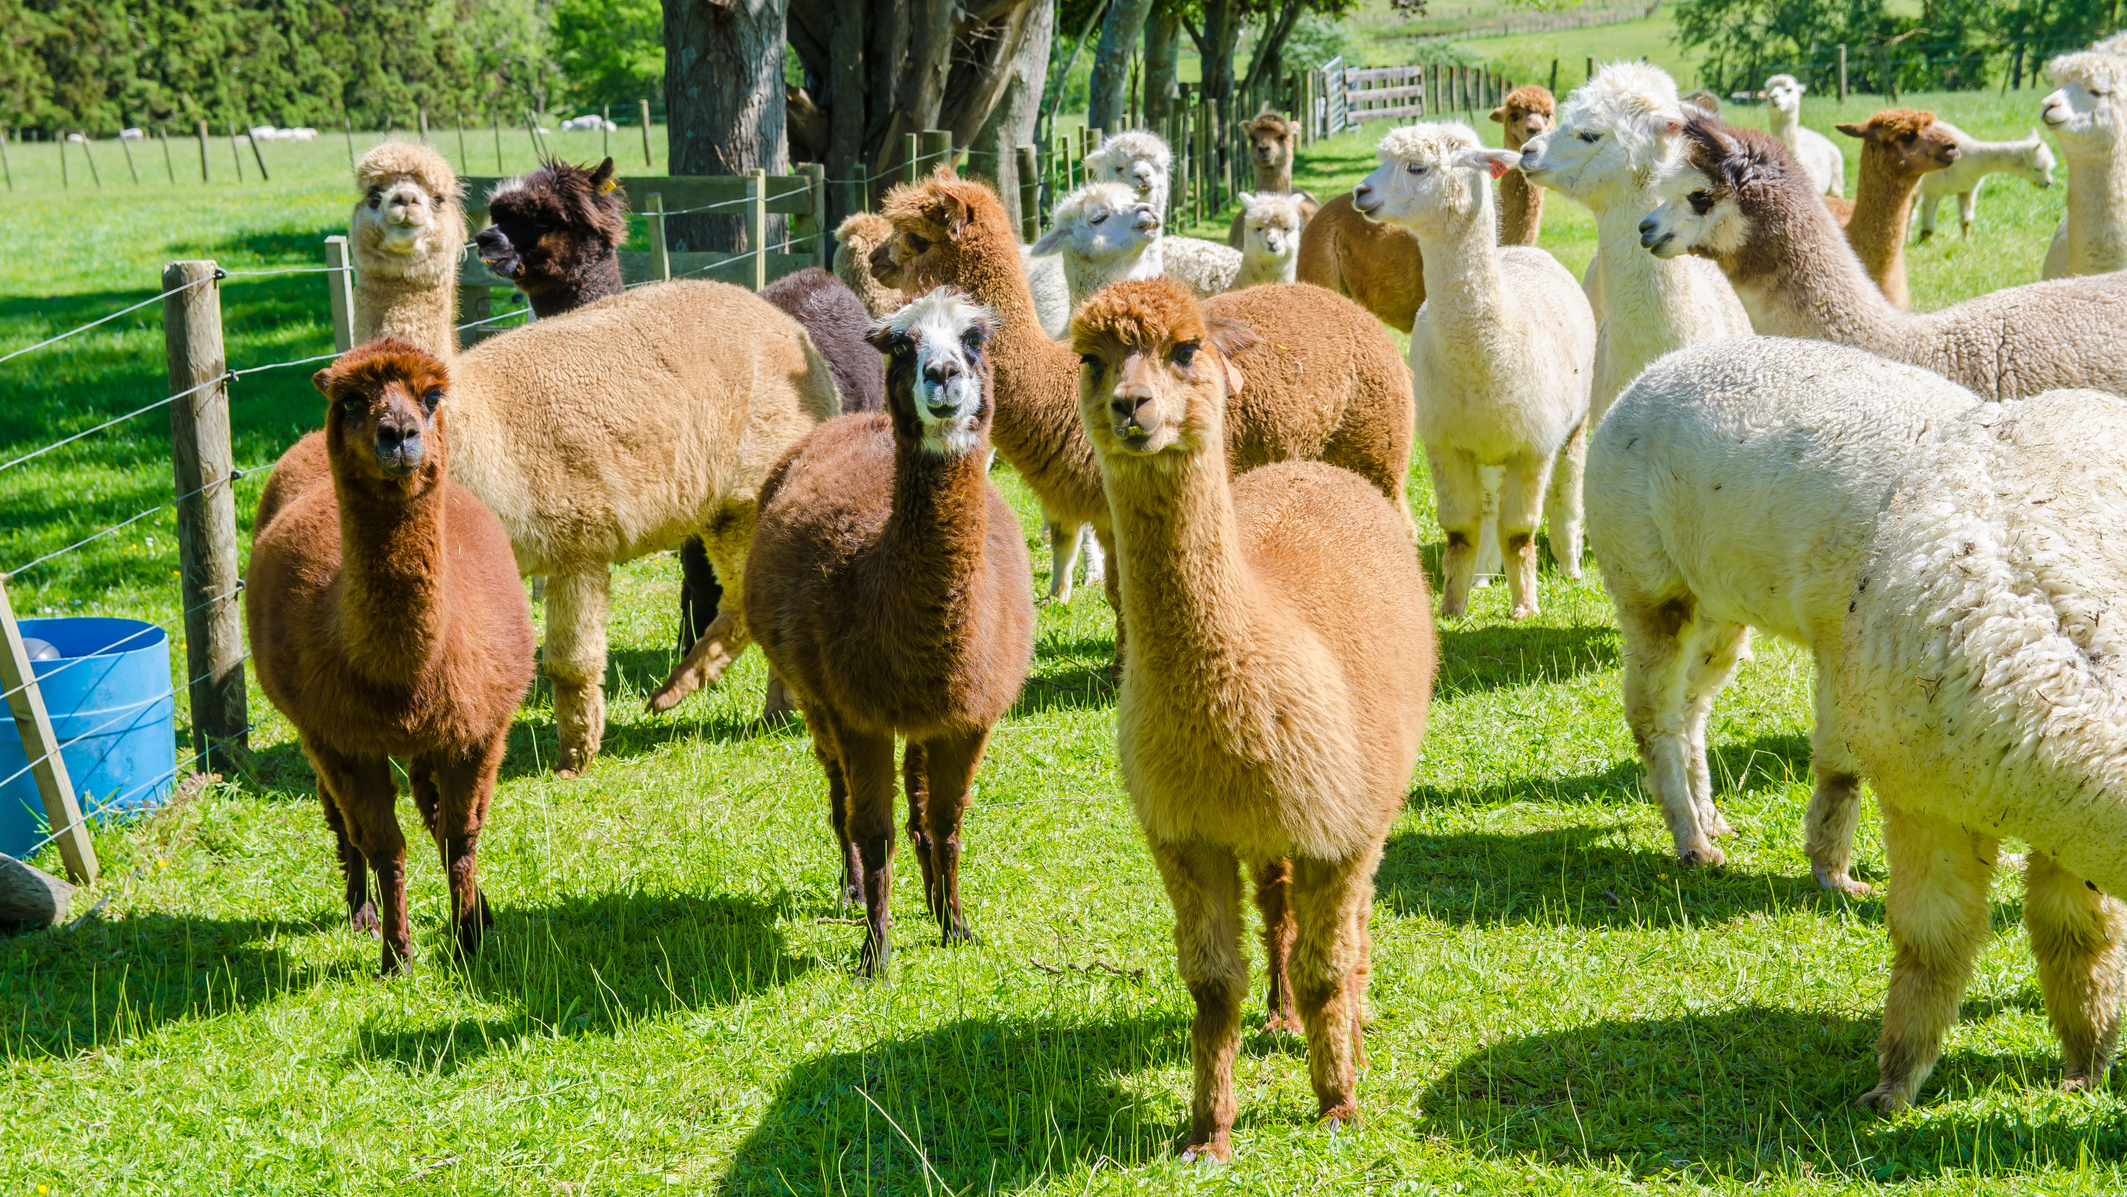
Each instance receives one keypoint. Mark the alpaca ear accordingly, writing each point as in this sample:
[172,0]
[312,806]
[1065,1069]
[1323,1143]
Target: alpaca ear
[954,212]
[1485,158]
[1851,129]
[882,337]
[1499,114]
[318,380]
[602,178]
[1050,240]
[1229,337]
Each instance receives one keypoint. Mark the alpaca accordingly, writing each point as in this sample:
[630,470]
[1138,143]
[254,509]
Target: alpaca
[1137,158]
[1739,198]
[404,240]
[1733,487]
[386,619]
[855,238]
[1273,143]
[1984,693]
[2088,112]
[1818,155]
[1613,137]
[1052,295]
[556,234]
[1102,232]
[1377,265]
[1899,147]
[1703,100]
[716,384]
[1272,710]
[1207,268]
[1270,247]
[887,586]
[1503,354]
[2029,159]
[1526,112]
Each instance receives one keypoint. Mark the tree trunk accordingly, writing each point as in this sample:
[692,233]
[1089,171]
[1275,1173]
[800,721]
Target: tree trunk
[1268,64]
[1011,124]
[1119,33]
[724,105]
[1163,55]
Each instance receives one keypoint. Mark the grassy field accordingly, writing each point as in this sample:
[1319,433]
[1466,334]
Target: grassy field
[668,1003]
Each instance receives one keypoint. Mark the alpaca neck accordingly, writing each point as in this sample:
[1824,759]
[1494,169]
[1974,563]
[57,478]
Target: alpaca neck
[2097,191]
[408,309]
[388,608]
[935,534]
[1882,203]
[1647,298]
[1463,283]
[1797,277]
[1274,180]
[1188,595]
[1521,209]
[1784,125]
[1083,276]
[594,280]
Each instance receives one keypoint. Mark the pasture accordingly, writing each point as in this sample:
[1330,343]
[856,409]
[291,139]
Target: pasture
[667,1000]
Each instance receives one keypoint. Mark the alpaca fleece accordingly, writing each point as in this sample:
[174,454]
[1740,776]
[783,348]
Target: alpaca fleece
[887,586]
[1526,112]
[404,240]
[556,233]
[836,318]
[1984,693]
[855,238]
[1378,265]
[1275,694]
[386,619]
[1899,146]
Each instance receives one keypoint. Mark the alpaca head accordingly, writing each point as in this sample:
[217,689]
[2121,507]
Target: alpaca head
[1270,226]
[933,222]
[546,226]
[1903,142]
[383,425]
[2088,107]
[1783,93]
[1137,158]
[1432,177]
[408,222]
[1703,100]
[1525,113]
[1613,137]
[1103,223]
[1708,198]
[1155,375]
[2034,161]
[855,238]
[937,371]
[1271,140]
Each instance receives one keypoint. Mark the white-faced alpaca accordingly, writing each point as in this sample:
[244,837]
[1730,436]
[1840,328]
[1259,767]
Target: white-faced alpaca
[1613,138]
[1818,154]
[2088,113]
[1502,355]
[887,586]
[2029,160]
[1275,693]
[405,238]
[1984,693]
[1103,233]
[1732,487]
[1739,198]
[1141,160]
[1270,238]
[1273,145]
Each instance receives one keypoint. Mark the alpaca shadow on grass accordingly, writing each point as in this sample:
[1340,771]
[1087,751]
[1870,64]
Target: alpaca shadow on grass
[590,965]
[1736,768]
[1503,656]
[1758,1092]
[990,1104]
[1065,686]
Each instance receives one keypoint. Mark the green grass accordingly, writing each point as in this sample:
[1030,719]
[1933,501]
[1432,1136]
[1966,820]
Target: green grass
[668,999]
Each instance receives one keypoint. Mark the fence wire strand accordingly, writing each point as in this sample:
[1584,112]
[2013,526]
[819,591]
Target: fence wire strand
[158,298]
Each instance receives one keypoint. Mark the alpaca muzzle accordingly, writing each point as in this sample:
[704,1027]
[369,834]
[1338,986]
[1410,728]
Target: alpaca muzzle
[398,447]
[497,253]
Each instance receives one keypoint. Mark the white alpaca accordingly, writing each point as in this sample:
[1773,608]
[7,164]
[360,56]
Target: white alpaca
[1052,295]
[1613,138]
[1102,233]
[1984,692]
[1733,487]
[1270,238]
[1502,354]
[1142,161]
[2088,112]
[2028,159]
[1818,154]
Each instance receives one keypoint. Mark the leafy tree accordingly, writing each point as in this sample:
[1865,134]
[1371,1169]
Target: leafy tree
[610,51]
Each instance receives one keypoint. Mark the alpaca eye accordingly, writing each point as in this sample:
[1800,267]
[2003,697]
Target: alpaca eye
[1701,202]
[1184,353]
[432,400]
[1101,219]
[1590,135]
[1090,362]
[917,245]
[1416,168]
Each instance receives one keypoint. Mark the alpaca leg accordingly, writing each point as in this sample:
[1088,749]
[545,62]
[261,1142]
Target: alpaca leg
[1332,898]
[1521,496]
[1562,503]
[363,789]
[1458,492]
[1063,554]
[1089,551]
[868,762]
[1965,204]
[1928,204]
[466,784]
[1835,798]
[361,912]
[1654,683]
[1489,556]
[699,592]
[777,706]
[916,786]
[1274,903]
[828,752]
[1204,885]
[1713,655]
[1112,584]
[2079,934]
[575,659]
[1936,906]
[705,662]
[953,761]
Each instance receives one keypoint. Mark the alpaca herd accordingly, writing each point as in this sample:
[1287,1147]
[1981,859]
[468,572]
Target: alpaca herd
[1761,435]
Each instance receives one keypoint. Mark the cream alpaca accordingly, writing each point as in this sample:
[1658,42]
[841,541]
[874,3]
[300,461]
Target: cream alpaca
[406,237]
[2088,113]
[1270,238]
[1502,355]
[1141,160]
[1984,693]
[1818,154]
[2029,160]
[1103,233]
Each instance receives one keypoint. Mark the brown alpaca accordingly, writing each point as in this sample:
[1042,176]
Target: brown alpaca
[1275,693]
[1740,198]
[1898,145]
[855,238]
[1527,111]
[556,233]
[386,619]
[1273,142]
[888,586]
[405,238]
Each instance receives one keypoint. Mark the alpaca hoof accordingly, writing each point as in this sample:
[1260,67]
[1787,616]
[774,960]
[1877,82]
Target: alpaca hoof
[2081,1084]
[1523,612]
[956,934]
[1207,1155]
[1339,1114]
[364,918]
[395,964]
[1703,854]
[1841,882]
[567,773]
[876,956]
[1883,1099]
[1452,610]
[1719,826]
[1283,1024]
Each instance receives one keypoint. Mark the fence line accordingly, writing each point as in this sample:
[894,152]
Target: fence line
[203,488]
[176,769]
[91,324]
[164,625]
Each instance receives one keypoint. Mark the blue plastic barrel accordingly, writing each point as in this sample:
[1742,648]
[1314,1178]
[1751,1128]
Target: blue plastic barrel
[112,707]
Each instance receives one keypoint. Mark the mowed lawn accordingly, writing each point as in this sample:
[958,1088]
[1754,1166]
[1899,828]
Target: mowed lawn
[668,999]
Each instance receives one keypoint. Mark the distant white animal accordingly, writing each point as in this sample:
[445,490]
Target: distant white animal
[2029,159]
[131,134]
[1817,153]
[77,139]
[589,122]
[301,133]
[265,133]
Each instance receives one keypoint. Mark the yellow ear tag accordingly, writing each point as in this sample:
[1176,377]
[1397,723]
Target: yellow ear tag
[608,186]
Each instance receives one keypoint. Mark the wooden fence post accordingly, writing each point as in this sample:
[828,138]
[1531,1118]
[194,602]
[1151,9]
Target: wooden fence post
[347,126]
[1591,66]
[162,134]
[654,222]
[911,149]
[339,285]
[260,158]
[1842,72]
[646,134]
[91,160]
[936,147]
[203,466]
[815,226]
[236,153]
[1554,77]
[204,177]
[421,118]
[757,227]
[130,168]
[1029,194]
[26,703]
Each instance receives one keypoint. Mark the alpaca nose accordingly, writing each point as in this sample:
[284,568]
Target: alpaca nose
[490,238]
[398,445]
[1648,239]
[940,372]
[1132,413]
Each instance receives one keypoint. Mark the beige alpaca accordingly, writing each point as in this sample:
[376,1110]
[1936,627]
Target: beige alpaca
[1273,144]
[855,238]
[2088,112]
[1275,695]
[406,237]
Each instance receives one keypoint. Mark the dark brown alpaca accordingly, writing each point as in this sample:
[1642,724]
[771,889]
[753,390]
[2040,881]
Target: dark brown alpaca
[386,619]
[887,583]
[556,233]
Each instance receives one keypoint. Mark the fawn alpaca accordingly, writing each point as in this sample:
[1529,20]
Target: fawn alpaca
[386,619]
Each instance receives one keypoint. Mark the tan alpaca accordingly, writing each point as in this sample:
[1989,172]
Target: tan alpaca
[1273,144]
[406,237]
[1898,146]
[855,238]
[1275,693]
